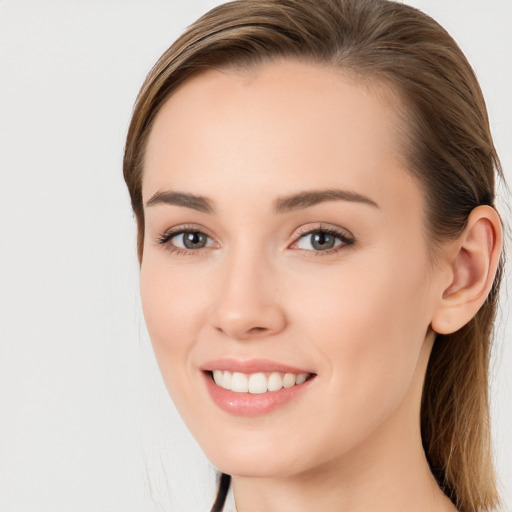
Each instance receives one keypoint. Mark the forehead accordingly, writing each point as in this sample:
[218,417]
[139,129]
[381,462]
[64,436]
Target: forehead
[280,124]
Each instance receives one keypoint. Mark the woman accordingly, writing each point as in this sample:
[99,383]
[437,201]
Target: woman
[313,183]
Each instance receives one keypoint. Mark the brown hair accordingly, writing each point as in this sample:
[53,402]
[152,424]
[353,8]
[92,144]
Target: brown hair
[449,150]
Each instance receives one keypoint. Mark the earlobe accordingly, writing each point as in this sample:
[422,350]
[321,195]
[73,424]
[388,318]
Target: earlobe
[473,263]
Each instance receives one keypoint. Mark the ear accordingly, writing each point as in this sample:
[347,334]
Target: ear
[472,261]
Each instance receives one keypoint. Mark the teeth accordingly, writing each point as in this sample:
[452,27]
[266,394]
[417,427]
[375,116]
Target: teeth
[257,383]
[275,382]
[218,377]
[226,380]
[239,383]
[289,380]
[301,378]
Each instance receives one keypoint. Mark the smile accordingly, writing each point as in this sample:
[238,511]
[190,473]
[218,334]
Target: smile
[257,383]
[255,387]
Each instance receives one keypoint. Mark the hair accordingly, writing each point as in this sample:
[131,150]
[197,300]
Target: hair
[448,149]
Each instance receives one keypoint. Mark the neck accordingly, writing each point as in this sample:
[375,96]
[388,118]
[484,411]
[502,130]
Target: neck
[399,481]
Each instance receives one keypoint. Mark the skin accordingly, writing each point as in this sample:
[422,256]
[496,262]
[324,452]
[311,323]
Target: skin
[360,318]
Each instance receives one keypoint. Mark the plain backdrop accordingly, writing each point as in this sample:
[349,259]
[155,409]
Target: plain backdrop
[85,421]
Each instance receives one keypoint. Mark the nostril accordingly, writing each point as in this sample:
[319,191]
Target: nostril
[247,320]
[257,329]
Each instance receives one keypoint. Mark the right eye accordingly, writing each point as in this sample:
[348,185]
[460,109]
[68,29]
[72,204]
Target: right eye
[185,241]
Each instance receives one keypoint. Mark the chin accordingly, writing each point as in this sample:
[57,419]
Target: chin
[260,467]
[264,456]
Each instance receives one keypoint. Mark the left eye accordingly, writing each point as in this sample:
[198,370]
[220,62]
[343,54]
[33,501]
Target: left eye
[321,240]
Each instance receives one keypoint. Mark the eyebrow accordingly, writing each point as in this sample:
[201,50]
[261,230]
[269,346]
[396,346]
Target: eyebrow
[313,197]
[199,203]
[284,204]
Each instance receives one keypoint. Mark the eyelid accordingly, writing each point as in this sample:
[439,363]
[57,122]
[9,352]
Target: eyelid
[165,238]
[183,228]
[344,235]
[321,226]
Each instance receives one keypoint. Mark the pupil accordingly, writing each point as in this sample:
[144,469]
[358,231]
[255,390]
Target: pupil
[322,241]
[193,240]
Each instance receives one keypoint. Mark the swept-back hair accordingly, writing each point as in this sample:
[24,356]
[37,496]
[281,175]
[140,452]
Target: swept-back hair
[448,147]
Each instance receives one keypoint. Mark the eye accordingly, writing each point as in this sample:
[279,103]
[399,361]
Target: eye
[185,241]
[190,240]
[324,240]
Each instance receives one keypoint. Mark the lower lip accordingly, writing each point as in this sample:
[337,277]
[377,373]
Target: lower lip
[249,404]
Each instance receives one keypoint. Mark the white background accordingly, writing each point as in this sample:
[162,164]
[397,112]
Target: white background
[85,421]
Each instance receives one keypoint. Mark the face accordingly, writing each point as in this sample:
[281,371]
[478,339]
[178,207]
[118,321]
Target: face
[285,257]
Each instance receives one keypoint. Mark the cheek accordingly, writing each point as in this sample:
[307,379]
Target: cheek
[172,306]
[368,322]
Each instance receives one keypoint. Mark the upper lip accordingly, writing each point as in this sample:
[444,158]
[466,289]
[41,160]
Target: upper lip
[251,366]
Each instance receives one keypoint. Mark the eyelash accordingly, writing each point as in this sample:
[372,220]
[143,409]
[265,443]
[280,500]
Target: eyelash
[166,237]
[346,240]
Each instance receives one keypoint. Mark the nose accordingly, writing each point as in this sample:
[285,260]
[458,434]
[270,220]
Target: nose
[247,305]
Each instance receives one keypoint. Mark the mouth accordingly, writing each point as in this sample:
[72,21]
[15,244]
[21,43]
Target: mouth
[256,387]
[257,383]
